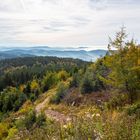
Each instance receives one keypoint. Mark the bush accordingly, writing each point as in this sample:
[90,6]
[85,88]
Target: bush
[40,120]
[134,109]
[26,122]
[11,133]
[30,120]
[86,85]
[60,93]
[27,89]
[48,81]
[135,130]
[89,125]
[22,98]
[33,97]
[117,101]
[3,130]
[91,81]
[75,80]
[35,87]
[121,127]
[63,75]
[11,99]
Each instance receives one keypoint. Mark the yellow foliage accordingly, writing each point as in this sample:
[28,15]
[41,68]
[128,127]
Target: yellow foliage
[34,85]
[3,130]
[114,115]
[11,133]
[63,75]
[21,87]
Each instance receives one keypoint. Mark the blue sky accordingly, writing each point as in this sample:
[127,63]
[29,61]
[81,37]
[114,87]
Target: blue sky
[66,23]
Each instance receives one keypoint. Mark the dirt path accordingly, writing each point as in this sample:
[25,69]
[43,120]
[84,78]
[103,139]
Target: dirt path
[55,115]
[41,106]
[45,100]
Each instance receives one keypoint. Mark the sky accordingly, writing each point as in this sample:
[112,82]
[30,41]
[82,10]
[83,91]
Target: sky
[66,23]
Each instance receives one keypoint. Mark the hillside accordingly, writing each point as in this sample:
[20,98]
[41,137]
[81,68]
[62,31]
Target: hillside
[55,98]
[57,52]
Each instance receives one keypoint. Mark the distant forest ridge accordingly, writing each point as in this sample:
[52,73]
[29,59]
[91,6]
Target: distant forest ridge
[78,53]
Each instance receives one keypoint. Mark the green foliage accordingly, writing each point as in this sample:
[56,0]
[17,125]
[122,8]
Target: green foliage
[63,75]
[119,71]
[121,127]
[31,120]
[40,120]
[19,102]
[135,130]
[117,101]
[60,93]
[32,90]
[18,71]
[87,84]
[124,65]
[134,110]
[32,97]
[3,130]
[76,130]
[27,122]
[11,133]
[52,78]
[92,79]
[35,87]
[11,99]
[75,80]
[27,89]
[49,81]
[104,126]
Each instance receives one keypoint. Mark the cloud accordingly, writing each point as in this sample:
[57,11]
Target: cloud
[66,22]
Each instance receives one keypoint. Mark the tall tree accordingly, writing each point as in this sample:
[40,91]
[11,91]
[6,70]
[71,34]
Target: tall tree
[124,64]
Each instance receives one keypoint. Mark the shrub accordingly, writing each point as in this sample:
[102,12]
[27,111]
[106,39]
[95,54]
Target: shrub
[11,133]
[30,120]
[49,80]
[35,87]
[63,75]
[91,82]
[91,125]
[40,120]
[135,130]
[60,93]
[27,122]
[75,80]
[27,89]
[20,101]
[117,101]
[33,97]
[134,109]
[86,85]
[11,99]
[3,130]
[120,127]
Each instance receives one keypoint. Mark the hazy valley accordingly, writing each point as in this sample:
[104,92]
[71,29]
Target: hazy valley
[78,53]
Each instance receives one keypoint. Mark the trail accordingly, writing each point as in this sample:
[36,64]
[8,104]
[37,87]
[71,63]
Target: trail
[55,115]
[42,105]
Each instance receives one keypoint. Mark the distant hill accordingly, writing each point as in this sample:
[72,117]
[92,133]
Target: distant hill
[7,53]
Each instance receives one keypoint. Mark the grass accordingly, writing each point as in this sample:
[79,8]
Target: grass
[88,122]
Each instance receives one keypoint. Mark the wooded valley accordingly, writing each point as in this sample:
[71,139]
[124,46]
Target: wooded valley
[50,98]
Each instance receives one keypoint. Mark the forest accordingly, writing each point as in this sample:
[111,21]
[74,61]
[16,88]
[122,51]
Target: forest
[50,98]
